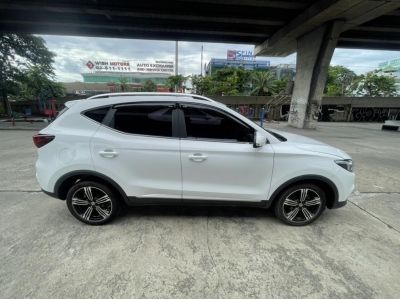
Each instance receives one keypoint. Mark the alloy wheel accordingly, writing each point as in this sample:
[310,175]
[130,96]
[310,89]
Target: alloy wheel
[302,205]
[92,204]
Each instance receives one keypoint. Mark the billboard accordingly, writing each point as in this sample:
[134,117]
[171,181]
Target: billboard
[108,66]
[157,66]
[239,55]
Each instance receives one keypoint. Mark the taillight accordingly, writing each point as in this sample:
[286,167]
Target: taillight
[42,139]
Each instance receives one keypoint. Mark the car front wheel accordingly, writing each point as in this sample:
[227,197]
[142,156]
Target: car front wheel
[301,204]
[92,203]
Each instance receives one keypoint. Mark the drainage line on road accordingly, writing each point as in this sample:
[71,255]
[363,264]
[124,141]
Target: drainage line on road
[376,217]
[20,191]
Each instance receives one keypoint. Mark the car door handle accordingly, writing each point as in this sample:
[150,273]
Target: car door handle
[108,153]
[197,157]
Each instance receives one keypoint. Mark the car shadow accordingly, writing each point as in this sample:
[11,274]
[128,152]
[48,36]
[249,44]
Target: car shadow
[195,211]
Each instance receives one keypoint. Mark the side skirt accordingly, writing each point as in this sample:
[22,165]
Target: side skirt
[135,201]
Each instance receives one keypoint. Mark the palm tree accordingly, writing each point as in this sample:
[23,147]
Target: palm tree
[175,82]
[263,83]
[124,84]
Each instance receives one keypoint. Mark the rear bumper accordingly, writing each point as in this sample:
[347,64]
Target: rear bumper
[50,194]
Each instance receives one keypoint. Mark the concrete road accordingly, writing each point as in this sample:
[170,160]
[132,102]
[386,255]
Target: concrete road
[351,252]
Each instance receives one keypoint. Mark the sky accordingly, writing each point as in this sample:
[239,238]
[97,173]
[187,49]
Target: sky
[73,53]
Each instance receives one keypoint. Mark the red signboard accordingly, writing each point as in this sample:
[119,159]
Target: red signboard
[231,55]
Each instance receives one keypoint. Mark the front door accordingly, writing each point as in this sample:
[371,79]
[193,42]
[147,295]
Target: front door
[219,161]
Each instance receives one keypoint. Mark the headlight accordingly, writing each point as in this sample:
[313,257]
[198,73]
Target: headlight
[345,164]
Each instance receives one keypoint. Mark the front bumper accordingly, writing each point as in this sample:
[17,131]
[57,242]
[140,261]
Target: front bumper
[345,194]
[338,204]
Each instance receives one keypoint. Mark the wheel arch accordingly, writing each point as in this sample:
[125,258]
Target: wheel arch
[65,182]
[330,189]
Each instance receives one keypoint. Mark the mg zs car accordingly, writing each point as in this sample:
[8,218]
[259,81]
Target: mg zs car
[152,148]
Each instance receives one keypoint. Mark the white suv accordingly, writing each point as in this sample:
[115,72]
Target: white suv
[153,148]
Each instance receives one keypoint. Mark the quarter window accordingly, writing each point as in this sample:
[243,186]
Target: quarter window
[144,119]
[205,123]
[97,114]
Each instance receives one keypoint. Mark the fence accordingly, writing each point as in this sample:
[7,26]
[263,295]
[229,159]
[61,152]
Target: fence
[341,109]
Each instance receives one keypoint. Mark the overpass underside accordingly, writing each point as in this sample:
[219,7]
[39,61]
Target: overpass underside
[311,28]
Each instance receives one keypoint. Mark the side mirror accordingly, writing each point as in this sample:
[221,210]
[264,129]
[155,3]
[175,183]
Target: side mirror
[260,139]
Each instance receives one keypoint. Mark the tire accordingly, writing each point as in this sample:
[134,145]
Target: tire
[92,203]
[387,127]
[300,204]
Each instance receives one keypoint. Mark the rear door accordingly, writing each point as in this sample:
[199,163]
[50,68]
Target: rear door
[137,147]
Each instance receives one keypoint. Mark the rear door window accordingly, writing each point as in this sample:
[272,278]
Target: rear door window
[154,120]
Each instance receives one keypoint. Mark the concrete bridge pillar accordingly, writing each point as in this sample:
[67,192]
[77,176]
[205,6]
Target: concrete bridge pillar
[314,53]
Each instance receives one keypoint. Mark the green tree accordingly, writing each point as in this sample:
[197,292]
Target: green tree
[373,84]
[202,85]
[264,83]
[341,81]
[149,86]
[18,53]
[123,84]
[231,81]
[175,82]
[38,86]
[225,81]
[281,86]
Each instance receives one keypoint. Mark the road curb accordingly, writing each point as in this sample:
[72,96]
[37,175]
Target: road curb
[27,129]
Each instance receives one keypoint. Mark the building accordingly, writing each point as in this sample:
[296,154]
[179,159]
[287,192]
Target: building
[219,63]
[284,71]
[237,58]
[281,71]
[104,76]
[246,60]
[391,68]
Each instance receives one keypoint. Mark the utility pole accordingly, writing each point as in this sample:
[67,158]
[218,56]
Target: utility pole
[176,57]
[201,63]
[176,63]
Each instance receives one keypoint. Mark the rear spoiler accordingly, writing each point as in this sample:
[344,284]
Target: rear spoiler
[70,103]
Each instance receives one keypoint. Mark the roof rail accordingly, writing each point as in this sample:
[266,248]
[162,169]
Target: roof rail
[109,95]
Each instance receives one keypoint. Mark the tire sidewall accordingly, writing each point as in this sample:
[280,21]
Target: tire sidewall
[279,203]
[106,189]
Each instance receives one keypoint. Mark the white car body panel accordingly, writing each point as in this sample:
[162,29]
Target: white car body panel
[68,152]
[231,171]
[144,166]
[291,162]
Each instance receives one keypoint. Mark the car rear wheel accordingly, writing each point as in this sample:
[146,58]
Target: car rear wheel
[92,203]
[301,204]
